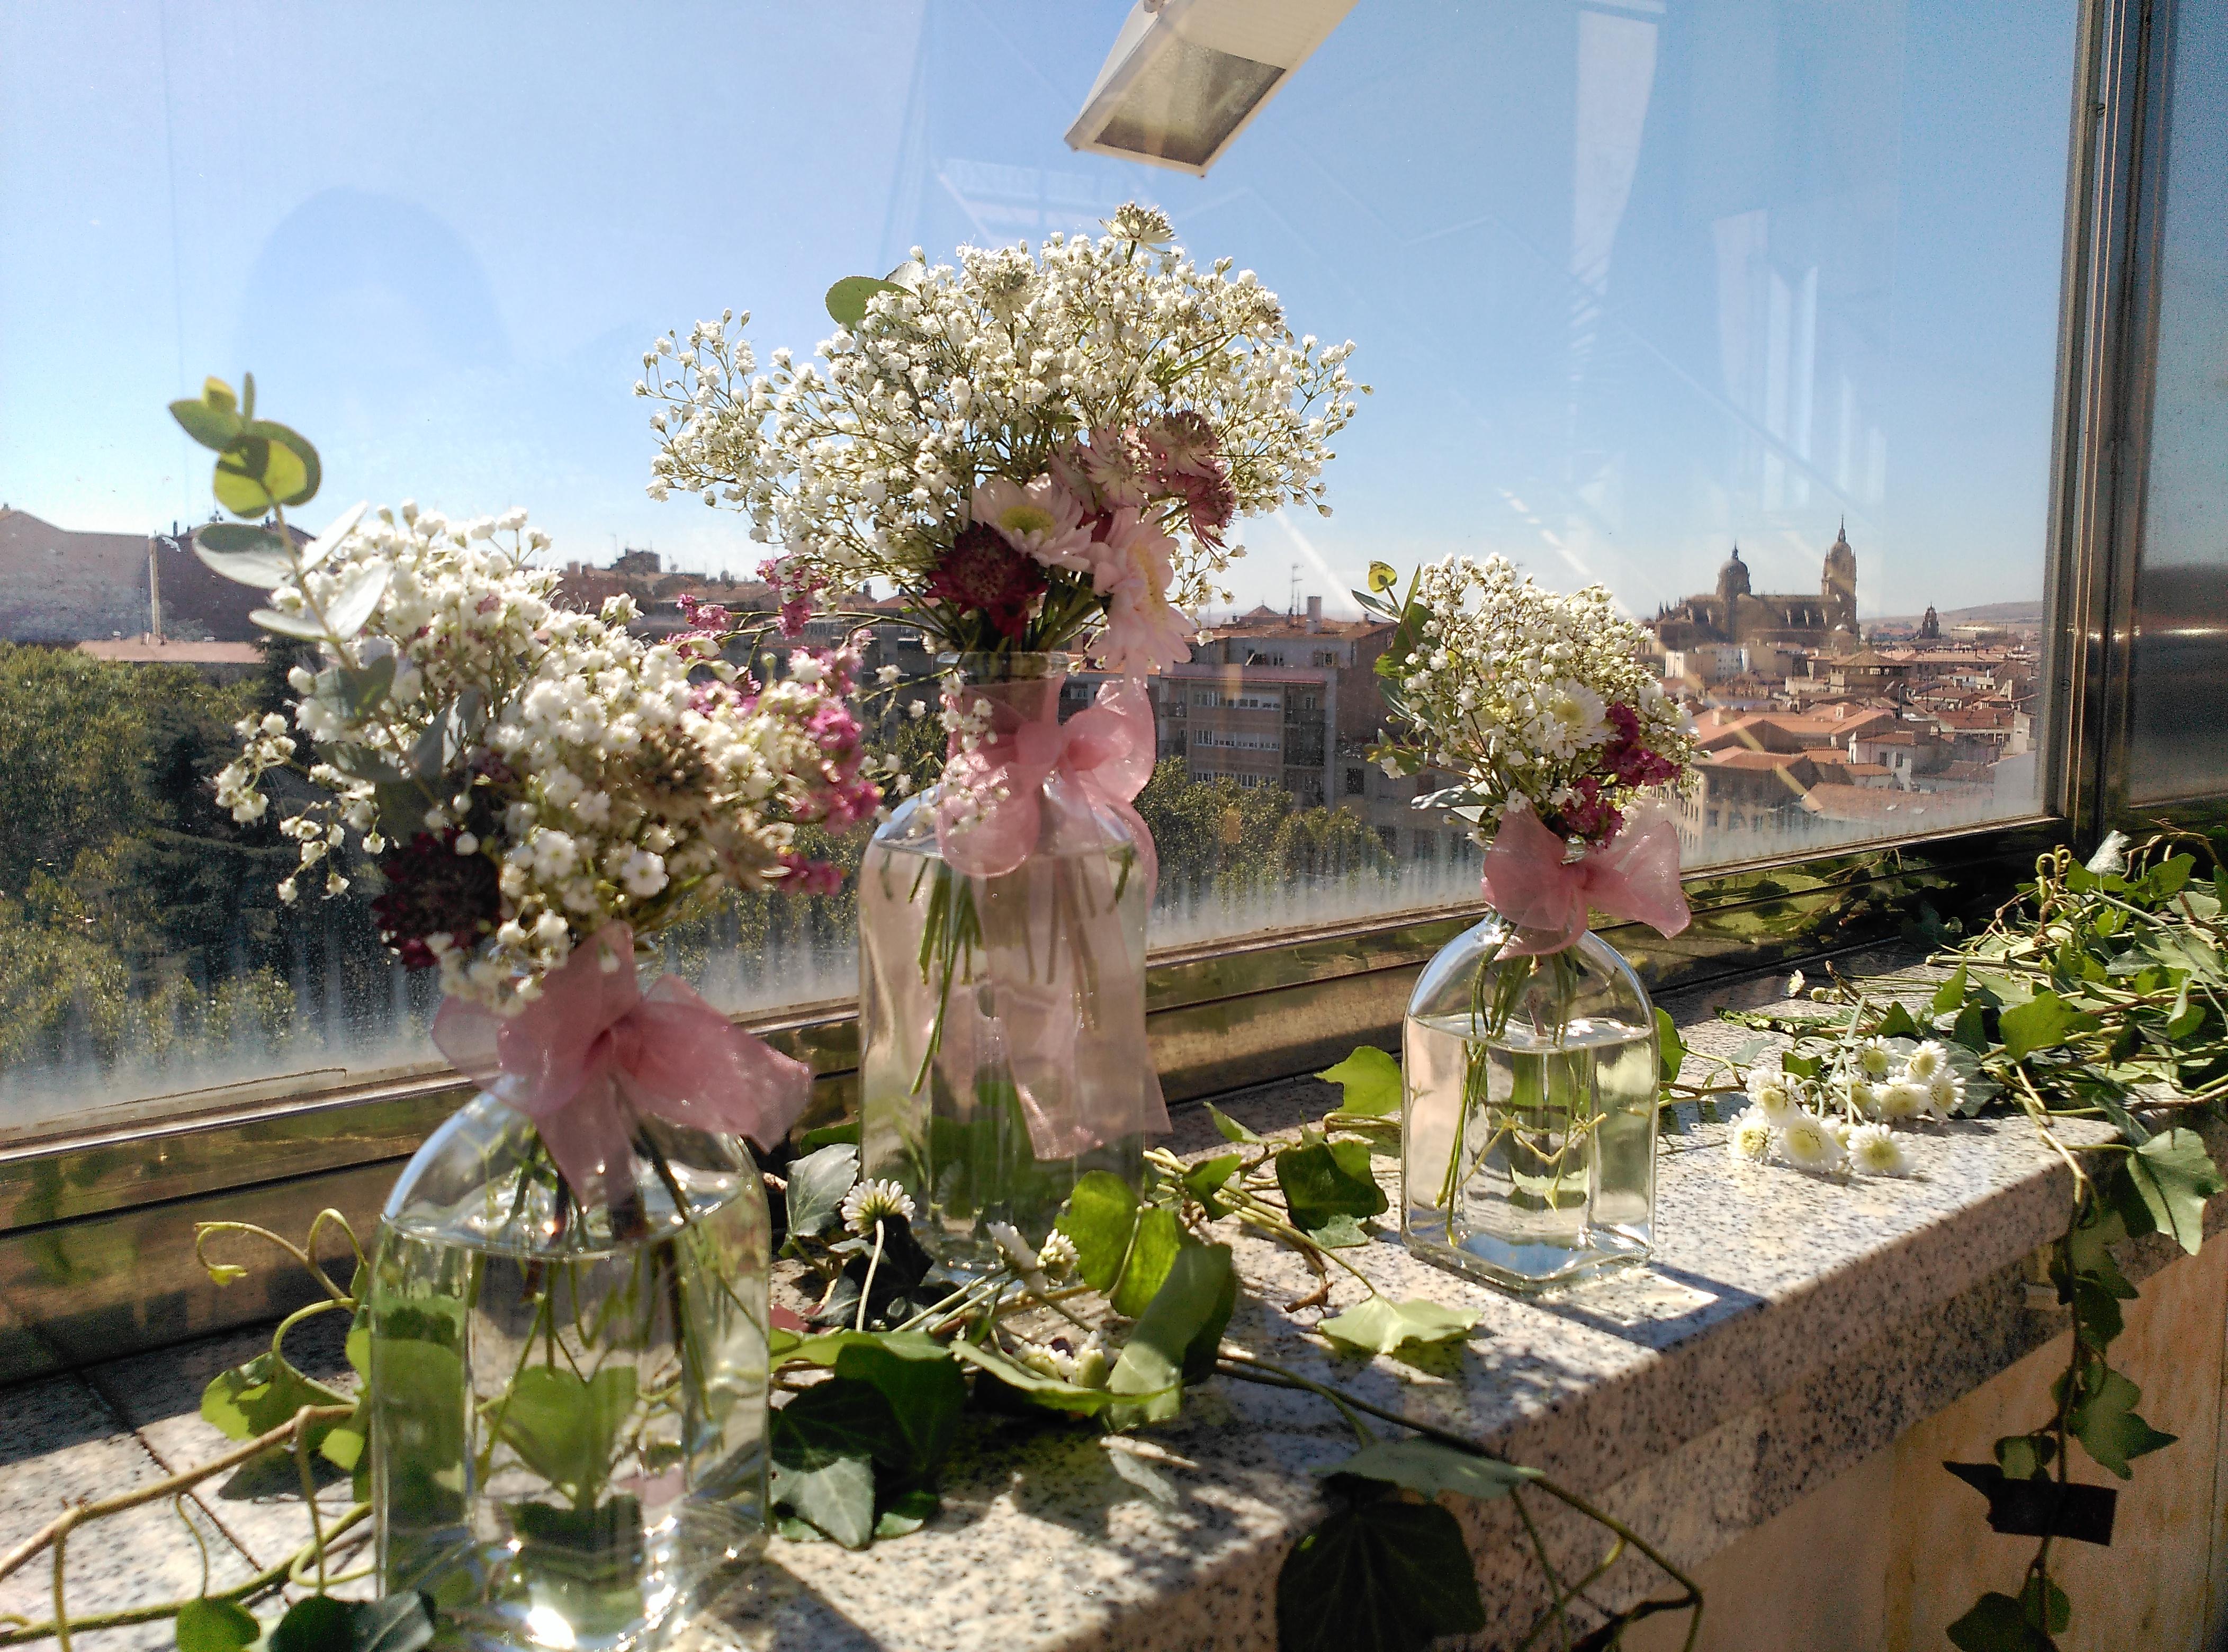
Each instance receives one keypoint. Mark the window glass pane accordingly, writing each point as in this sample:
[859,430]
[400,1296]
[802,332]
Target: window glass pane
[2179,745]
[1636,282]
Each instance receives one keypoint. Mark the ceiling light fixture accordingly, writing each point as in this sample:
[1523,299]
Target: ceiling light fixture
[1186,76]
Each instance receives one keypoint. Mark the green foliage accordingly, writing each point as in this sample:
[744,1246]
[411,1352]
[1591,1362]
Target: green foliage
[1323,1181]
[1176,1338]
[565,1427]
[1427,1468]
[817,1183]
[1216,838]
[208,1625]
[1383,1576]
[2175,1175]
[263,1394]
[1670,1048]
[1369,1082]
[1379,1325]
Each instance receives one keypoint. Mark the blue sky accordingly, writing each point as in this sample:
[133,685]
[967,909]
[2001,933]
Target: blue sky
[1631,278]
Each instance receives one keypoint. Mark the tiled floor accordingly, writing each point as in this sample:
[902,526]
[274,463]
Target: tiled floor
[131,1423]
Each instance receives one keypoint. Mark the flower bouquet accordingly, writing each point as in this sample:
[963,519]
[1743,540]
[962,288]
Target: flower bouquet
[567,1311]
[1042,453]
[1529,1132]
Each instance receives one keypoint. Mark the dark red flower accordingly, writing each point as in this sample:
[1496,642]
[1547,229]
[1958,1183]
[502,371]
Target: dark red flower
[982,573]
[433,890]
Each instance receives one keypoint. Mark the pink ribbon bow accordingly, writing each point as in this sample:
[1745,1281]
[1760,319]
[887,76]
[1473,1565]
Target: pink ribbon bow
[593,1051]
[993,814]
[1019,815]
[1634,875]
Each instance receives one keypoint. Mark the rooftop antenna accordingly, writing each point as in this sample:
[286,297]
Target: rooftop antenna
[1292,600]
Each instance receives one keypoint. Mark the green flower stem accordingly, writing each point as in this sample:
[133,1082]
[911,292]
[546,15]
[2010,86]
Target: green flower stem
[309,1499]
[866,1291]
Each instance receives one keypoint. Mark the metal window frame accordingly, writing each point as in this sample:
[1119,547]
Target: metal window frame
[96,1229]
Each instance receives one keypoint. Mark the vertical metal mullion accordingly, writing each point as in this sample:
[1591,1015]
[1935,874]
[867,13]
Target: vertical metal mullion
[2106,356]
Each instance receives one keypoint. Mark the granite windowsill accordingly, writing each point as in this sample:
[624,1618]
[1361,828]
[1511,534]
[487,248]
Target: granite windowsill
[1789,1328]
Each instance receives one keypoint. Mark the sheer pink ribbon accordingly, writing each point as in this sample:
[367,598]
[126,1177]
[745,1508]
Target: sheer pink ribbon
[593,1053]
[1022,801]
[1634,875]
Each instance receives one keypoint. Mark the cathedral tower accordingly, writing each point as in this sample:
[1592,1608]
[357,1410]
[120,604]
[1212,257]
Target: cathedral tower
[1839,587]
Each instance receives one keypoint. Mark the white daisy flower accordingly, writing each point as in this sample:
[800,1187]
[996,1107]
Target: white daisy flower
[1773,1095]
[1901,1098]
[1875,1060]
[1923,1063]
[1876,1150]
[1810,1145]
[1751,1138]
[869,1202]
[1945,1094]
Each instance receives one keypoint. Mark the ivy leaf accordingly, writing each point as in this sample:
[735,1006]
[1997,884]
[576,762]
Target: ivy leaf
[319,1623]
[1997,1623]
[1032,1385]
[823,1445]
[565,1428]
[2105,1422]
[908,1512]
[1325,1179]
[1386,1576]
[1670,1048]
[1381,1325]
[1101,1214]
[1231,1128]
[1204,1181]
[1153,1251]
[400,1623]
[1176,1337]
[2042,1022]
[2175,1175]
[1897,1023]
[847,299]
[1338,1233]
[261,1395]
[208,1625]
[1428,1468]
[1370,1081]
[917,1375]
[817,1183]
[1971,1029]
[1950,995]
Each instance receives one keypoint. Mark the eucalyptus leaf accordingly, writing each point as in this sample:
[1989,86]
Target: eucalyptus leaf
[365,688]
[265,466]
[847,299]
[245,553]
[359,593]
[212,420]
[320,549]
[1379,1325]
[302,625]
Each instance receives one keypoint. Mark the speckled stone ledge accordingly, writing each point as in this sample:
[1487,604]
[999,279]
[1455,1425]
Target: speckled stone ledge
[1789,1327]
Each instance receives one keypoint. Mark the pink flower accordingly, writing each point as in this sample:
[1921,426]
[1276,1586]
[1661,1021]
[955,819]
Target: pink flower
[1183,462]
[797,586]
[983,572]
[1107,474]
[1041,519]
[1591,814]
[809,877]
[1131,567]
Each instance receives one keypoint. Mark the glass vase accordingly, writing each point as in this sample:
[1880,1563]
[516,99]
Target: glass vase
[989,1005]
[1528,1153]
[568,1400]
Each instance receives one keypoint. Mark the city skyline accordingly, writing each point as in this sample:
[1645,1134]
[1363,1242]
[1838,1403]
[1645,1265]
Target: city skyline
[1621,320]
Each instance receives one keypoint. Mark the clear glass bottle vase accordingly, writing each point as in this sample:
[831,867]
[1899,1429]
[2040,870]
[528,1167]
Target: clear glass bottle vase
[1527,1153]
[568,1400]
[988,1004]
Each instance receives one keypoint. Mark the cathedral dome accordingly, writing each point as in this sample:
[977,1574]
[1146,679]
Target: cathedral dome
[1733,578]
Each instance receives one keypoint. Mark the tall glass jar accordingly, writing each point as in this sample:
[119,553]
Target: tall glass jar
[1002,1016]
[1528,1136]
[568,1402]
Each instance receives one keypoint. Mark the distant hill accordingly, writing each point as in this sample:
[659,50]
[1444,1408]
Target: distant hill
[2012,615]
